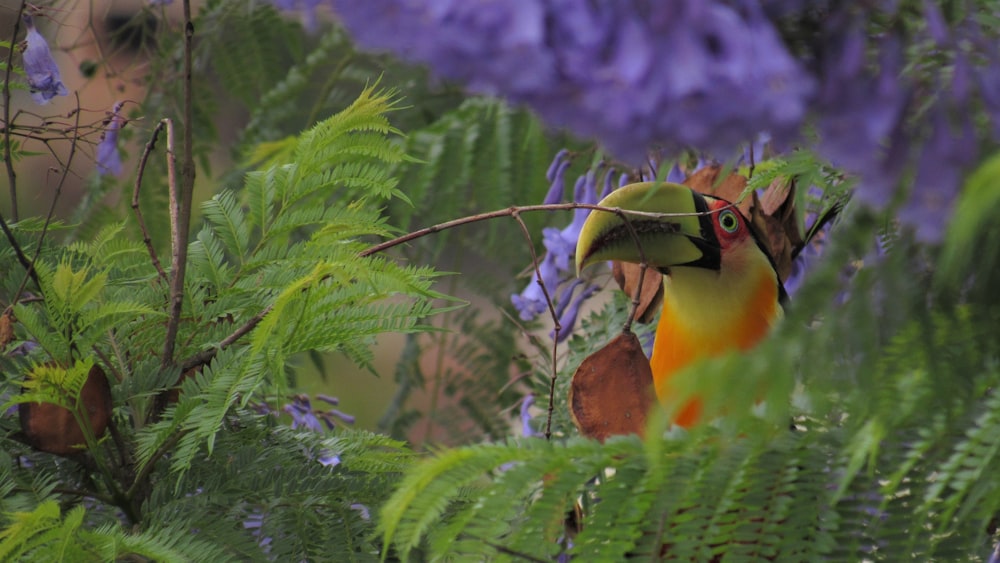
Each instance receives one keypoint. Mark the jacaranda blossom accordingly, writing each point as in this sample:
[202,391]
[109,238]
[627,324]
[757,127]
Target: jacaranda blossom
[557,267]
[39,66]
[109,161]
[712,75]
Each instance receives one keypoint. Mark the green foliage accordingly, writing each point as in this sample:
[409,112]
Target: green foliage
[288,256]
[73,319]
[481,156]
[276,270]
[46,535]
[885,366]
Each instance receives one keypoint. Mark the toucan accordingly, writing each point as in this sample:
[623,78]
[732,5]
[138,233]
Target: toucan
[721,290]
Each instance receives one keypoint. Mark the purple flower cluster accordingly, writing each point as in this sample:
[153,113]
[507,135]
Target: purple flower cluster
[40,67]
[710,74]
[628,73]
[304,415]
[556,268]
[306,9]
[109,161]
[255,524]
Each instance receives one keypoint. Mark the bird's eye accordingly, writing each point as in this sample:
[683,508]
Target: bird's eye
[728,221]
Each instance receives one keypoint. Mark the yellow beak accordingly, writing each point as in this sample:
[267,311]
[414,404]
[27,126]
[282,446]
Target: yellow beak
[683,237]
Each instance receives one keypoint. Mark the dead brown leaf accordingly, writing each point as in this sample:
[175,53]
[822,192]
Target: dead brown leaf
[730,188]
[627,276]
[612,391]
[6,328]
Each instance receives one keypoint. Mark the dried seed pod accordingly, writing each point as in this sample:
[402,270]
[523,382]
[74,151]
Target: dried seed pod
[612,390]
[52,428]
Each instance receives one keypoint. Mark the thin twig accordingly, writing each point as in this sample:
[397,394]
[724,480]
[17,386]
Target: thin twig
[146,239]
[176,296]
[510,211]
[11,176]
[181,206]
[52,207]
[150,464]
[555,320]
[508,551]
[637,294]
[206,356]
[8,163]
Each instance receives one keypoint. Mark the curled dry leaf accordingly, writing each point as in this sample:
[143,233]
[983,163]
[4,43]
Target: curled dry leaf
[731,188]
[774,217]
[612,390]
[627,276]
[51,428]
[6,328]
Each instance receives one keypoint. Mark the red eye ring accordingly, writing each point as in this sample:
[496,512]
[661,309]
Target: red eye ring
[728,221]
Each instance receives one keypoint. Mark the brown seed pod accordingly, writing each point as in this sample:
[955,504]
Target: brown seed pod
[51,428]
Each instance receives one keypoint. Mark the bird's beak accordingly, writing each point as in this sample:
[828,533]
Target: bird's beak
[686,238]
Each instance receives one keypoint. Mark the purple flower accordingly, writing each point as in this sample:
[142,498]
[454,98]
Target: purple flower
[109,161]
[525,416]
[568,318]
[362,510]
[328,459]
[556,176]
[862,129]
[608,184]
[631,76]
[328,399]
[562,243]
[555,267]
[40,67]
[675,174]
[951,148]
[303,414]
[531,302]
[255,524]
[936,25]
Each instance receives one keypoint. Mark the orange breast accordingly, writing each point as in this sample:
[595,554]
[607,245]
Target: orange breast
[686,334]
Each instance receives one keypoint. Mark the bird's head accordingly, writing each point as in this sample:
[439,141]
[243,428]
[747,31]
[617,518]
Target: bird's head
[697,231]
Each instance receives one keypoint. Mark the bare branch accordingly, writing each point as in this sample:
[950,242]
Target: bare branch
[176,295]
[643,266]
[52,208]
[146,239]
[182,202]
[11,176]
[206,356]
[555,321]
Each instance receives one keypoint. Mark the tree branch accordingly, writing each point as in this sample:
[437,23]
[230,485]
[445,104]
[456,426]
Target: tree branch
[181,206]
[206,356]
[146,239]
[9,164]
[30,274]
